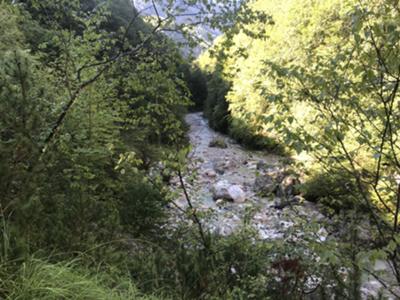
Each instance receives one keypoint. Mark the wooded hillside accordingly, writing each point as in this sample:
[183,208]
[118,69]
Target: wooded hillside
[96,158]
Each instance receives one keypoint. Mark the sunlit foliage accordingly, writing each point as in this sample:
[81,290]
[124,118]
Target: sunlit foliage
[323,82]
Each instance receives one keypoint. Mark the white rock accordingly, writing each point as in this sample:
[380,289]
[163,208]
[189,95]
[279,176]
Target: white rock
[220,190]
[223,190]
[219,202]
[236,193]
[210,173]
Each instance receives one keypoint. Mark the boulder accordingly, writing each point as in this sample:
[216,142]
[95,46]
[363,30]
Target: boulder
[371,289]
[219,167]
[174,181]
[220,190]
[364,231]
[230,164]
[224,190]
[237,194]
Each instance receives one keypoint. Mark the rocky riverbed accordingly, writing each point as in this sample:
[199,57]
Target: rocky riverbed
[229,182]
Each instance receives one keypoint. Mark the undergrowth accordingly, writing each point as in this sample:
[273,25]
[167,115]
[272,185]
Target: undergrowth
[40,279]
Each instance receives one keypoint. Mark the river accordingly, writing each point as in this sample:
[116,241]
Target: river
[234,165]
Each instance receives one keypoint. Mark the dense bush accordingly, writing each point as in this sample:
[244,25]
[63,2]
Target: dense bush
[335,190]
[216,106]
[197,84]
[247,136]
[142,207]
[315,95]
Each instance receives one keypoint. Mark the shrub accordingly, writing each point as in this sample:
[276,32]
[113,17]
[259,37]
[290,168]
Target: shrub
[246,136]
[142,207]
[197,84]
[216,106]
[336,190]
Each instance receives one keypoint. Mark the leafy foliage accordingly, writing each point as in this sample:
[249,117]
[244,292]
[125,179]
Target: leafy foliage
[74,84]
[337,191]
[92,100]
[323,82]
[142,207]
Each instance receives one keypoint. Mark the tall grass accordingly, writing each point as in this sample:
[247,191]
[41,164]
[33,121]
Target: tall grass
[40,279]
